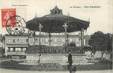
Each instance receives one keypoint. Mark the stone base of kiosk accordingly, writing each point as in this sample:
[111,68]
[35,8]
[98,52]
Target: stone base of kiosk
[32,59]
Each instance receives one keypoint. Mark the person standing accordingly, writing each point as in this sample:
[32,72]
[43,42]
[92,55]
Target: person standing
[70,61]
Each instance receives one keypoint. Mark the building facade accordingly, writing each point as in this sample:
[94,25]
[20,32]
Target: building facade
[17,45]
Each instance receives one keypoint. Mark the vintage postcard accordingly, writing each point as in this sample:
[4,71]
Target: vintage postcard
[56,36]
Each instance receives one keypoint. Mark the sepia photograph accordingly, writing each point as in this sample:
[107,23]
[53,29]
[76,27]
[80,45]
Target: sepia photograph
[56,36]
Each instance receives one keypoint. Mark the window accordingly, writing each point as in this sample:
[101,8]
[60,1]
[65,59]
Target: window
[11,49]
[13,40]
[27,40]
[24,49]
[18,49]
[9,41]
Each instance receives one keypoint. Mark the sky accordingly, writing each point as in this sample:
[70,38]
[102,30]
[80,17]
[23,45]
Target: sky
[98,12]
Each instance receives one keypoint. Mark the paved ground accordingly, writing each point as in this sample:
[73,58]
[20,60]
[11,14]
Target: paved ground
[20,71]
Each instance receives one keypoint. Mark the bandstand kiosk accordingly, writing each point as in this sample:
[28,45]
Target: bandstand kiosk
[57,22]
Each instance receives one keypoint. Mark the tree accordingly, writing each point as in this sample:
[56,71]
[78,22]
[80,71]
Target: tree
[110,41]
[100,41]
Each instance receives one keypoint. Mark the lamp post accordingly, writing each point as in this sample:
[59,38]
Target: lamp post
[66,39]
[82,38]
[40,30]
[50,39]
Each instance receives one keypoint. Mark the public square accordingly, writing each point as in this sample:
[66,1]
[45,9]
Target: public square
[55,37]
